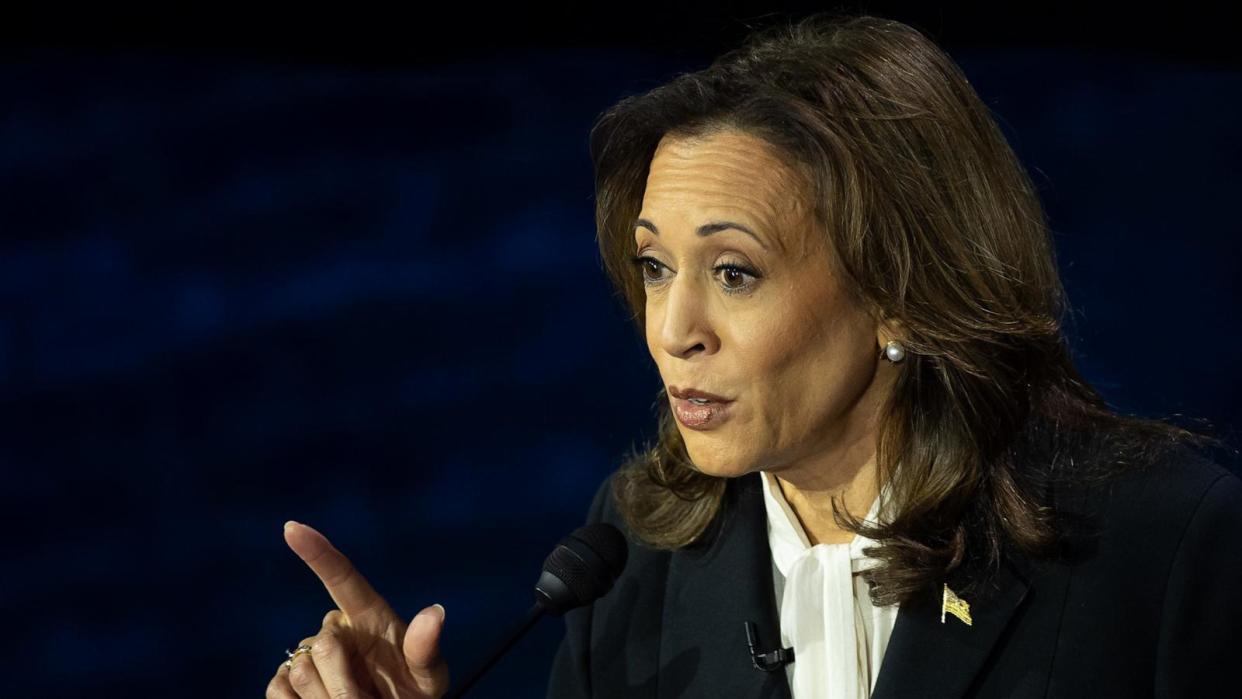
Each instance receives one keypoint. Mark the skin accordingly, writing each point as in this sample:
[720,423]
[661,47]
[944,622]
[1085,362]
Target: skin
[363,647]
[800,360]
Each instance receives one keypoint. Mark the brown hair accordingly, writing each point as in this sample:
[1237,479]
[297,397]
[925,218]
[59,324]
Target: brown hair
[937,226]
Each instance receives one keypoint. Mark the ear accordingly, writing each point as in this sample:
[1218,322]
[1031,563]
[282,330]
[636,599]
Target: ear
[887,329]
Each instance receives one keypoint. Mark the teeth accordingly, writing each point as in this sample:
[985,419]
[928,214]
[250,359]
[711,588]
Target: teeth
[700,401]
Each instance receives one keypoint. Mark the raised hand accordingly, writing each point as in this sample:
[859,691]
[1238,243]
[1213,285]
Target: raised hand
[363,649]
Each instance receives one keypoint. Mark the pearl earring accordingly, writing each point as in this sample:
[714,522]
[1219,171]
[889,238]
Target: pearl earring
[894,351]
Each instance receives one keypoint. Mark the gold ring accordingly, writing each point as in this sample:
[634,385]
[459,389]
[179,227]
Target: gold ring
[301,649]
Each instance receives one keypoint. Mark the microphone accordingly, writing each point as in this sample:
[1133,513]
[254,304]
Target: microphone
[766,661]
[582,567]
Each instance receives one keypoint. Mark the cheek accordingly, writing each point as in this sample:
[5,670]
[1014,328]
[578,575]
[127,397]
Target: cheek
[806,358]
[833,373]
[781,340]
[650,323]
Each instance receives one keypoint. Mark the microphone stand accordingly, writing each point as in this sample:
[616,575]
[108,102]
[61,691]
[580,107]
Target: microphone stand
[532,616]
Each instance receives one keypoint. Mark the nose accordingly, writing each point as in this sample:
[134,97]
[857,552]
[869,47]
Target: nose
[685,328]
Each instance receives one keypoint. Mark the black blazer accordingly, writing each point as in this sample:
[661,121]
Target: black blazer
[1148,605]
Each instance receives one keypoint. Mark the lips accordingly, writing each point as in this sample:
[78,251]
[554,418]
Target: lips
[696,395]
[699,410]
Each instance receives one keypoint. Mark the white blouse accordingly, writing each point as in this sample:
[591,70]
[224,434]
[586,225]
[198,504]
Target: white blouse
[825,610]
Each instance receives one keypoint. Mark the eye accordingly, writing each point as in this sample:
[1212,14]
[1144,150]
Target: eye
[735,278]
[649,267]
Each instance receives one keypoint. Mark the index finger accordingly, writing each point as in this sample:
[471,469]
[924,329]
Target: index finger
[351,592]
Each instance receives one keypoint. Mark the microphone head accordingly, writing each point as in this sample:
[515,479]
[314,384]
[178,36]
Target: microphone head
[582,567]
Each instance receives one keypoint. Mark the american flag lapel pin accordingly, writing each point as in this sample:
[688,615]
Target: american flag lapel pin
[954,605]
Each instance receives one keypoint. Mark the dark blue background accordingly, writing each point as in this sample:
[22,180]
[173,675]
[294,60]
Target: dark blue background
[235,291]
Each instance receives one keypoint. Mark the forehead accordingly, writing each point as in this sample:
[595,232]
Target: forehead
[731,174]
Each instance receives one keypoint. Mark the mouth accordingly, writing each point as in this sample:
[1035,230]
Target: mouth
[696,396]
[699,410]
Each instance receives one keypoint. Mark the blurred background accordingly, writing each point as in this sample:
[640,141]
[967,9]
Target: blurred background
[340,268]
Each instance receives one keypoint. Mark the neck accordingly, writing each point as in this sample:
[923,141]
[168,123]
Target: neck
[845,468]
[854,483]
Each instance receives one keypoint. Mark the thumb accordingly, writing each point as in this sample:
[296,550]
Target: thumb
[422,651]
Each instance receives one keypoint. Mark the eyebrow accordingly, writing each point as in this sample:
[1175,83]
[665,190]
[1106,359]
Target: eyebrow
[706,229]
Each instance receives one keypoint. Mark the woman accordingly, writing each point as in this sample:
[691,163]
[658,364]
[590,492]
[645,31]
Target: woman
[874,447]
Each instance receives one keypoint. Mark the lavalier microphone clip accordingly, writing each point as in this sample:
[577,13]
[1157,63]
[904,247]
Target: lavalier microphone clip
[770,660]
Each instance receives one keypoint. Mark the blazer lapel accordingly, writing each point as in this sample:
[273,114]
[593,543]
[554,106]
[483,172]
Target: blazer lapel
[725,580]
[713,588]
[925,657]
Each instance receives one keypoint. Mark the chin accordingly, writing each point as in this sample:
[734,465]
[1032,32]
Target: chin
[714,461]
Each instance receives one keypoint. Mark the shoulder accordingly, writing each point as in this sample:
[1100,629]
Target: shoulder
[1165,493]
[1150,522]
[645,565]
[1193,499]
[1178,524]
[605,507]
[606,629]
[604,502]
[606,641]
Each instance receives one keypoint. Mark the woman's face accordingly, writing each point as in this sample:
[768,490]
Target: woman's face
[742,303]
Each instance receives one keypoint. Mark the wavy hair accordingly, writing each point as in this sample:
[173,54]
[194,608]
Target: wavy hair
[935,224]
